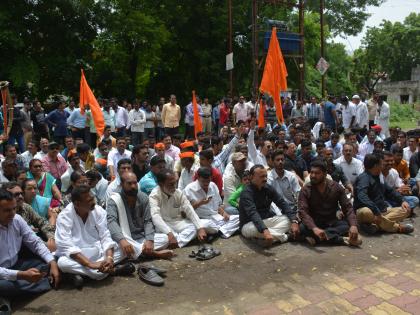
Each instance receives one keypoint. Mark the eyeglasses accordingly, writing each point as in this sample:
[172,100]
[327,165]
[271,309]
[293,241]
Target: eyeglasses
[18,194]
[37,166]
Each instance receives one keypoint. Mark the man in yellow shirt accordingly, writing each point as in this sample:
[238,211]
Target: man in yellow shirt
[171,115]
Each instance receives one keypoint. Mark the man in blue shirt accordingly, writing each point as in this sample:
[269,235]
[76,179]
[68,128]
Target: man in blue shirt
[58,119]
[149,181]
[330,116]
[77,123]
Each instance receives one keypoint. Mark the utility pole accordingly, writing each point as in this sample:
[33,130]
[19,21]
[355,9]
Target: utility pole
[321,14]
[255,58]
[301,51]
[230,48]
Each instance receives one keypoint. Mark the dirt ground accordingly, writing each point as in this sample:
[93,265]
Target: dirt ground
[227,284]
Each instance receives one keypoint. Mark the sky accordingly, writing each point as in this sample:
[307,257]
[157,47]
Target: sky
[391,10]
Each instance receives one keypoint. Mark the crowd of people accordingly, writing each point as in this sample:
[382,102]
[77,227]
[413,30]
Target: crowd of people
[74,205]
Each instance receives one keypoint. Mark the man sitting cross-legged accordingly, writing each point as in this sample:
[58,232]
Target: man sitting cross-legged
[84,243]
[173,214]
[318,204]
[370,195]
[205,199]
[22,276]
[256,218]
[130,222]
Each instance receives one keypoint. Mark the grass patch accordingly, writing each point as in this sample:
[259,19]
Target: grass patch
[405,116]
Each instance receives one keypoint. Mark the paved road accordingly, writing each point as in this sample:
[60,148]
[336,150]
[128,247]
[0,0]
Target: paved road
[382,277]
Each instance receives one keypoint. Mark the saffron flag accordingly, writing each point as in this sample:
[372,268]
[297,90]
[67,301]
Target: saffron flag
[261,121]
[87,97]
[197,120]
[274,77]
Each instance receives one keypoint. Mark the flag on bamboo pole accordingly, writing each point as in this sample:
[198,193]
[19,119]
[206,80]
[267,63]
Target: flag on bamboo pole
[87,97]
[275,73]
[261,121]
[197,121]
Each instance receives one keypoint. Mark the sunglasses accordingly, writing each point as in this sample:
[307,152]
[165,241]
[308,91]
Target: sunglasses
[18,194]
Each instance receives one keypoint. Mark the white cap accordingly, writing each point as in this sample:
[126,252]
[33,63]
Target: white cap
[356,97]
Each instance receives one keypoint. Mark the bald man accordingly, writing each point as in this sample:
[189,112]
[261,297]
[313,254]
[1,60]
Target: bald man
[130,222]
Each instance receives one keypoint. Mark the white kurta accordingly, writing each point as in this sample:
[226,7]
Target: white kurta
[382,119]
[209,211]
[174,214]
[91,238]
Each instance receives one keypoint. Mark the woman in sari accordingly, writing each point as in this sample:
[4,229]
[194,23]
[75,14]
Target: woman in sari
[40,204]
[45,182]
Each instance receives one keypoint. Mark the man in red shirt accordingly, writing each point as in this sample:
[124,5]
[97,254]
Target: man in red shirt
[206,159]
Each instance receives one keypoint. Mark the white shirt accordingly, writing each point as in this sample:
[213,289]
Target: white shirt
[255,155]
[167,211]
[351,170]
[150,116]
[113,187]
[407,153]
[393,179]
[288,185]
[137,120]
[186,177]
[195,193]
[100,190]
[366,148]
[73,236]
[121,117]
[114,157]
[362,115]
[347,113]
[242,111]
[65,178]
[231,180]
[40,155]
[27,157]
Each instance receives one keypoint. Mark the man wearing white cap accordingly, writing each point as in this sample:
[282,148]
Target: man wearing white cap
[362,113]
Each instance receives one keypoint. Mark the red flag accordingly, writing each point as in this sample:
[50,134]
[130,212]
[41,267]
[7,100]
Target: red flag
[87,97]
[261,121]
[197,121]
[274,77]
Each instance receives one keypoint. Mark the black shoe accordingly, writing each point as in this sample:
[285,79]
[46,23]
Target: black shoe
[161,272]
[149,276]
[124,269]
[406,228]
[370,229]
[76,280]
[5,308]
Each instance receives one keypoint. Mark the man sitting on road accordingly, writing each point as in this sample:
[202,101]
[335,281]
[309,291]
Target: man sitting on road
[22,276]
[370,197]
[173,214]
[318,204]
[256,219]
[205,199]
[130,222]
[84,243]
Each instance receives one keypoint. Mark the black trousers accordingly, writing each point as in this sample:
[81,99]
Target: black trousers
[335,231]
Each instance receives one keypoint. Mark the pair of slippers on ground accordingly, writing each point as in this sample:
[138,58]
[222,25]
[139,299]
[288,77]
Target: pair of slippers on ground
[204,252]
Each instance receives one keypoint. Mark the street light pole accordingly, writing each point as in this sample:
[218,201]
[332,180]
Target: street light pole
[321,13]
[230,45]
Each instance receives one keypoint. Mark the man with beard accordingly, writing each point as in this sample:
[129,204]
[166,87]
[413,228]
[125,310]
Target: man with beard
[256,218]
[318,204]
[130,222]
[173,214]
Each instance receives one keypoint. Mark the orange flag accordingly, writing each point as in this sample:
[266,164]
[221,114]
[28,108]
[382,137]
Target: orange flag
[197,120]
[275,73]
[87,97]
[261,121]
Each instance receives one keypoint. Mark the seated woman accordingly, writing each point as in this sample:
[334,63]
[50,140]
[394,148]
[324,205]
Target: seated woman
[45,182]
[40,204]
[77,178]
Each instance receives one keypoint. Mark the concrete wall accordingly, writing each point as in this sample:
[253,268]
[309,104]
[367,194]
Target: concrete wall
[394,90]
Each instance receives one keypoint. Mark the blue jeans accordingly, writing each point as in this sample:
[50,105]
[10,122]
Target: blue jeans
[412,201]
[20,141]
[10,289]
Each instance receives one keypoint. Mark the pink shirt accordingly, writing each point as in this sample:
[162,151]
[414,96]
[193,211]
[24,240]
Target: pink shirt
[173,152]
[55,168]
